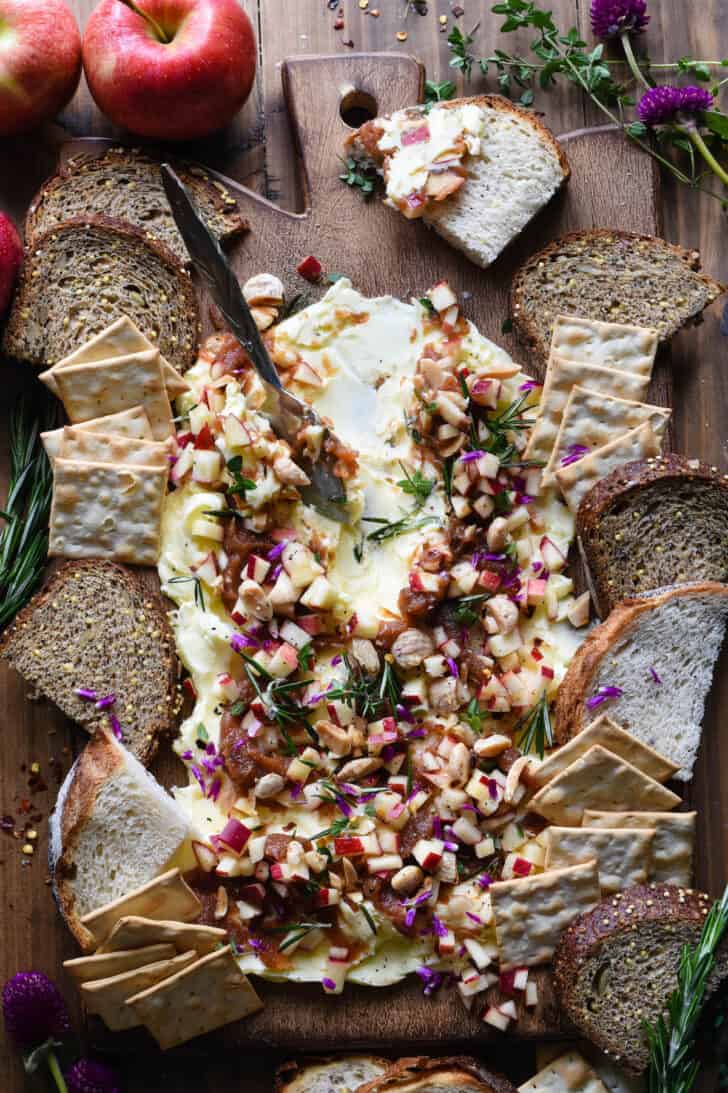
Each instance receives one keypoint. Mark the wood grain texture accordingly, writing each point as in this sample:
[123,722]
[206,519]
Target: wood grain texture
[616,188]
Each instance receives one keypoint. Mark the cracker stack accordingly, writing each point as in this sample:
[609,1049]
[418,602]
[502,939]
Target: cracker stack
[111,467]
[591,418]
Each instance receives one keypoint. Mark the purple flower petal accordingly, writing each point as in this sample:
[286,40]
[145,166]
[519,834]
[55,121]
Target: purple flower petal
[603,695]
[573,454]
[86,693]
[610,18]
[660,104]
[654,675]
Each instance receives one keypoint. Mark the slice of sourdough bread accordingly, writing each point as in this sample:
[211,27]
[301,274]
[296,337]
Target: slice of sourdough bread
[87,272]
[511,170]
[113,829]
[342,1075]
[610,275]
[103,620]
[659,653]
[420,1074]
[616,966]
[653,523]
[126,183]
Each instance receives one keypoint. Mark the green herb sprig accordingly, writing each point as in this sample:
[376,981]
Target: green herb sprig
[438,92]
[297,931]
[534,730]
[416,485]
[467,608]
[672,1068]
[392,529]
[369,696]
[199,591]
[240,484]
[359,177]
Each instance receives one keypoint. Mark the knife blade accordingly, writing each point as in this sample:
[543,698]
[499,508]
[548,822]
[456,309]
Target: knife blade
[286,413]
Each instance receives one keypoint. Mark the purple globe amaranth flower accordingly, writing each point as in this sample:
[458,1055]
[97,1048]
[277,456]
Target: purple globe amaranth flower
[34,1009]
[660,104]
[87,1076]
[610,18]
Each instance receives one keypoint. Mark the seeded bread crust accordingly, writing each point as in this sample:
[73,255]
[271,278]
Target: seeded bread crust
[36,637]
[642,517]
[570,712]
[536,299]
[664,913]
[415,1073]
[36,331]
[126,183]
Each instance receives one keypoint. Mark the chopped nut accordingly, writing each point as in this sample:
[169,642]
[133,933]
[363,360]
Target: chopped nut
[221,903]
[407,880]
[270,785]
[263,290]
[289,473]
[411,648]
[358,768]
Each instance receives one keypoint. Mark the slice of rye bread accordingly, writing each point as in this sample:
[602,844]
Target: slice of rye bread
[454,1074]
[102,619]
[660,651]
[611,275]
[87,272]
[521,167]
[654,523]
[336,1075]
[126,183]
[616,966]
[113,829]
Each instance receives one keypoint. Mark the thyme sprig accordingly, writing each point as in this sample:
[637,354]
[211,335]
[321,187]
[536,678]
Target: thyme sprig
[534,730]
[672,1067]
[358,176]
[24,538]
[416,485]
[369,695]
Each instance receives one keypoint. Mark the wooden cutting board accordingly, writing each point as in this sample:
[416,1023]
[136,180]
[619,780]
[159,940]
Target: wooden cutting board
[612,185]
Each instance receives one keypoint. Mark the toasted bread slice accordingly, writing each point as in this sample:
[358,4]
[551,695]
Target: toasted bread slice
[456,1074]
[660,652]
[612,275]
[339,1075]
[653,523]
[86,272]
[608,985]
[113,829]
[126,183]
[86,609]
[508,173]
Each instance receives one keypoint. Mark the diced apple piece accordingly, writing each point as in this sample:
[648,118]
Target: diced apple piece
[204,528]
[199,417]
[321,593]
[206,465]
[300,564]
[294,634]
[428,853]
[284,661]
[236,434]
[494,1017]
[442,296]
[283,592]
[578,614]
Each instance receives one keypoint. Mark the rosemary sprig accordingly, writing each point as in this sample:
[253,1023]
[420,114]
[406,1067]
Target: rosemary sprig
[466,607]
[338,827]
[199,591]
[536,733]
[278,697]
[294,305]
[297,931]
[391,529]
[24,538]
[370,696]
[672,1066]
[368,916]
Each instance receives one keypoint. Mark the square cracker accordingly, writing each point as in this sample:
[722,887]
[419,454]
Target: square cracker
[166,897]
[569,1071]
[612,736]
[118,340]
[591,419]
[562,375]
[206,995]
[97,447]
[599,780]
[531,912]
[576,480]
[133,931]
[133,423]
[623,856]
[105,387]
[629,348]
[673,845]
[85,969]
[101,511]
[107,997]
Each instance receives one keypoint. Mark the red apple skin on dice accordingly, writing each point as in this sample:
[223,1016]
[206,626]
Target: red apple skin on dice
[11,257]
[40,62]
[173,69]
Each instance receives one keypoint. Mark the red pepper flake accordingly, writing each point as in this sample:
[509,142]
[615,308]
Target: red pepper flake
[310,267]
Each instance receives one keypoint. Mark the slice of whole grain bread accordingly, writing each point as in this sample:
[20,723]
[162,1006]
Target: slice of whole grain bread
[653,523]
[96,626]
[613,276]
[616,966]
[87,272]
[125,183]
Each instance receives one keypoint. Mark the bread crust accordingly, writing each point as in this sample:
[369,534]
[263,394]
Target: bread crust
[570,711]
[191,174]
[153,606]
[112,227]
[290,1071]
[527,330]
[422,1067]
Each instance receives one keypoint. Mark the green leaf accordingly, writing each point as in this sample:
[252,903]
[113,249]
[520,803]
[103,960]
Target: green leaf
[416,485]
[636,129]
[439,92]
[526,98]
[358,177]
[717,122]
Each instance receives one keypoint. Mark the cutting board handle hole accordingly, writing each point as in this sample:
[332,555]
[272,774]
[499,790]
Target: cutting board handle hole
[356,107]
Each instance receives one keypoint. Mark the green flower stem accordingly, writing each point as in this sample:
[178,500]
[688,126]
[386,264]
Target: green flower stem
[692,133]
[632,61]
[56,1072]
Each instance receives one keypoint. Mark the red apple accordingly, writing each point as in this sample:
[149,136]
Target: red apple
[40,62]
[11,256]
[169,69]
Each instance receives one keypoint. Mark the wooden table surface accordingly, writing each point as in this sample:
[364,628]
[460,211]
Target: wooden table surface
[257,151]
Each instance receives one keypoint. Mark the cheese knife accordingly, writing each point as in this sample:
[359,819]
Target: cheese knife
[287,414]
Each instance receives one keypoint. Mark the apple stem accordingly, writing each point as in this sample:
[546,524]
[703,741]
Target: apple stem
[152,22]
